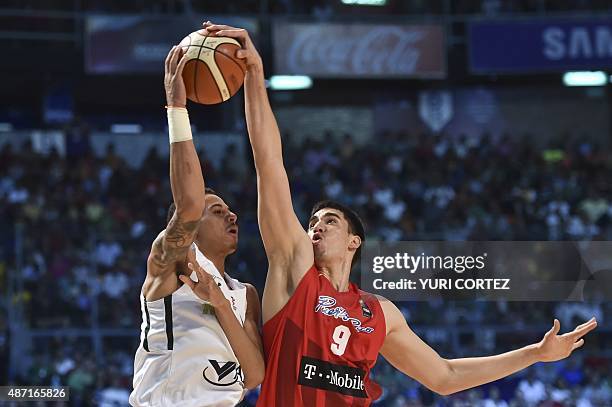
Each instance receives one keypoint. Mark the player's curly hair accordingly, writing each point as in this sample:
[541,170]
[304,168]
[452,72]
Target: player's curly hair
[172,207]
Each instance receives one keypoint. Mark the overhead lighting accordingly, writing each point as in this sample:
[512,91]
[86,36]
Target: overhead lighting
[126,128]
[585,78]
[365,2]
[290,82]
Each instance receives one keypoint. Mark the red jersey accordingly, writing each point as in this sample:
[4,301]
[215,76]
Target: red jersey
[320,347]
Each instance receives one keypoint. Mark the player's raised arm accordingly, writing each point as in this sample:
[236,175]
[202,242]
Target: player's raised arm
[287,244]
[186,178]
[408,353]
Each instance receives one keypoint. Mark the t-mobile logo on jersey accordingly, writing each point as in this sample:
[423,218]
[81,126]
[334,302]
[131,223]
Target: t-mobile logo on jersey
[309,370]
[329,376]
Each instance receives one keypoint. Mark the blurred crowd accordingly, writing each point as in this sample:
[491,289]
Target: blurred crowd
[84,224]
[469,188]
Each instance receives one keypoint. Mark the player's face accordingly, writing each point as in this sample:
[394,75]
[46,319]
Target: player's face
[218,228]
[329,232]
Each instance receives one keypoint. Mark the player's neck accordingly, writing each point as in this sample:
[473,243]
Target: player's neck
[218,259]
[337,274]
[219,263]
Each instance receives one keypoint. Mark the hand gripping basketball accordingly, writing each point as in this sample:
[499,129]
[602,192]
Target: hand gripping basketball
[248,52]
[212,73]
[176,95]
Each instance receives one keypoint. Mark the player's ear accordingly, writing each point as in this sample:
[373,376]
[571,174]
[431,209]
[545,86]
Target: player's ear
[354,242]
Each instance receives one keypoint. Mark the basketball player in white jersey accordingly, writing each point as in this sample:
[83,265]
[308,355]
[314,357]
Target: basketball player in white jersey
[200,343]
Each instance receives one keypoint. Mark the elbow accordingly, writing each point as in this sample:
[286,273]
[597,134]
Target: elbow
[190,209]
[253,379]
[443,385]
[441,388]
[255,376]
[443,391]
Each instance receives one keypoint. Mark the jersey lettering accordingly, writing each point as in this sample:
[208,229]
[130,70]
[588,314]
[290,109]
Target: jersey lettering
[332,377]
[324,306]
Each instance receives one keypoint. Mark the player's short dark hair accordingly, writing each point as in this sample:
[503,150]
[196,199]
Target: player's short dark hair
[172,207]
[355,224]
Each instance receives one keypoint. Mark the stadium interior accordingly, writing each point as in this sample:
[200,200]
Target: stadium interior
[468,145]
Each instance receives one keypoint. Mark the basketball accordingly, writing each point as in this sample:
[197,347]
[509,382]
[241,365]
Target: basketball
[213,74]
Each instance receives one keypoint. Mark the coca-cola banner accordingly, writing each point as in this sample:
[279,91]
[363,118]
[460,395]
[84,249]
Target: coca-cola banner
[360,50]
[137,44]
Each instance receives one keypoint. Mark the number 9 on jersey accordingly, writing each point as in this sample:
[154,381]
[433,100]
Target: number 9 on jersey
[340,339]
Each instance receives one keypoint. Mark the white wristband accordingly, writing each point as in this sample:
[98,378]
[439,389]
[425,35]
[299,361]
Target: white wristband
[179,128]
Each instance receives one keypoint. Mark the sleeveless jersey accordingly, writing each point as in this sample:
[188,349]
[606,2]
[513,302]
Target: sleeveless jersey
[321,346]
[184,357]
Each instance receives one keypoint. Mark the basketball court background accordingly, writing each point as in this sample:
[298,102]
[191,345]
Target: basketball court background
[436,120]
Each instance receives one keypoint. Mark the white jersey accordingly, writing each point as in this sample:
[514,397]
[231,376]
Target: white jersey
[184,357]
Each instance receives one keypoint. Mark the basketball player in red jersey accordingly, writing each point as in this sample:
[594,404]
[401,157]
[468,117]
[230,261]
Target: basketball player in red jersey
[322,334]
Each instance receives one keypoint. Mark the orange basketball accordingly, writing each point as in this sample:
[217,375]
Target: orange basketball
[213,74]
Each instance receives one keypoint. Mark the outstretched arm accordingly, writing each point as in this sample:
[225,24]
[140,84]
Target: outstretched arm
[186,180]
[287,245]
[281,230]
[408,353]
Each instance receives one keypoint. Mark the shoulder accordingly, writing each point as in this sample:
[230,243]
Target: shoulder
[164,260]
[251,291]
[157,248]
[393,315]
[159,238]
[389,308]
[288,267]
[252,297]
[381,299]
[384,302]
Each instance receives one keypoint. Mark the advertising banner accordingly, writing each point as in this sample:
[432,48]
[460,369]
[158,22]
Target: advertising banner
[360,50]
[540,45]
[136,44]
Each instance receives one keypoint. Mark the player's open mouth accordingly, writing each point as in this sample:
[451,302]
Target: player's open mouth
[233,230]
[316,238]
